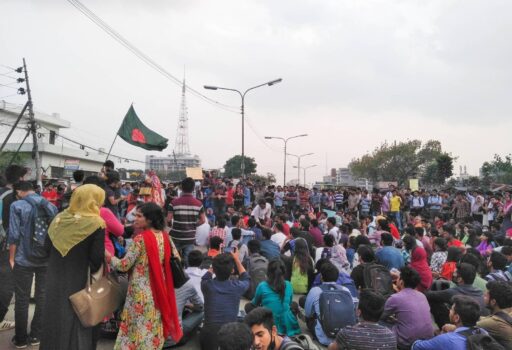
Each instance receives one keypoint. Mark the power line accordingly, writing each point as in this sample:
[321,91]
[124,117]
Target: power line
[7,76]
[9,96]
[146,59]
[10,87]
[11,68]
[71,141]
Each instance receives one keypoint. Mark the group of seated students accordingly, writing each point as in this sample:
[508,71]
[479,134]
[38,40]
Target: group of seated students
[350,293]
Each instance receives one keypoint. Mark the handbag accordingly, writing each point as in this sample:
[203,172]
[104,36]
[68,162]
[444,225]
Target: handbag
[179,276]
[97,300]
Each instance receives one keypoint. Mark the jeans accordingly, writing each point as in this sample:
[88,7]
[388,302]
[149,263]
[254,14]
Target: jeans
[192,321]
[398,219]
[184,249]
[6,283]
[23,277]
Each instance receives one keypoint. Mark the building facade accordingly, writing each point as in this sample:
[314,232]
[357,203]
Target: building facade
[57,160]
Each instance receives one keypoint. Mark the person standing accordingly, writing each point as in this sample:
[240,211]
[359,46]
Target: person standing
[29,219]
[150,312]
[394,208]
[76,243]
[13,174]
[186,213]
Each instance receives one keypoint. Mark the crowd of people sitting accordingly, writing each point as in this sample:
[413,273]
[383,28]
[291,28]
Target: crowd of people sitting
[391,269]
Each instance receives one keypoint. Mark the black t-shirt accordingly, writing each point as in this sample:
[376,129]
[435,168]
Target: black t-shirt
[110,192]
[6,206]
[269,197]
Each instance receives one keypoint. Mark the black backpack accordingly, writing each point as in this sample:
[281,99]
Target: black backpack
[378,278]
[336,309]
[257,268]
[41,220]
[478,340]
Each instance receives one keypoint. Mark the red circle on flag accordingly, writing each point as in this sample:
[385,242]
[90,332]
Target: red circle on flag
[138,136]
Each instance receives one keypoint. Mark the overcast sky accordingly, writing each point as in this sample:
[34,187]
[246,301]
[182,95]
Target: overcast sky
[355,73]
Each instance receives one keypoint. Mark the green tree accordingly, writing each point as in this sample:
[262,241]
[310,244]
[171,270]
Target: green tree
[19,159]
[439,170]
[400,161]
[269,179]
[498,170]
[232,168]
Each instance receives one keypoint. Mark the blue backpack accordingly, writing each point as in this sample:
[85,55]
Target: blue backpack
[41,220]
[336,309]
[347,282]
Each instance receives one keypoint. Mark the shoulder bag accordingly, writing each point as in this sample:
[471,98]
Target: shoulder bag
[97,300]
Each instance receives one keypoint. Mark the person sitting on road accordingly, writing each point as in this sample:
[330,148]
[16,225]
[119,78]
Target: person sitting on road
[266,336]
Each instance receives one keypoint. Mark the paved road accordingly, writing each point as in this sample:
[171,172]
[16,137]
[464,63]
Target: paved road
[104,344]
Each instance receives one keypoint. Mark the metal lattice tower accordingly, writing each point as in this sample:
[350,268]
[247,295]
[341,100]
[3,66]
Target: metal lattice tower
[182,146]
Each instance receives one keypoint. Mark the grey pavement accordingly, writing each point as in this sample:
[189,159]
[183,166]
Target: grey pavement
[104,344]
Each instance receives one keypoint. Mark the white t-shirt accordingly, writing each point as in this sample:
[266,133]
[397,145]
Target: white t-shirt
[262,214]
[196,274]
[279,238]
[202,232]
[335,232]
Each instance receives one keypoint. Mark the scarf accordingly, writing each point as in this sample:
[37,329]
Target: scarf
[79,220]
[419,263]
[162,285]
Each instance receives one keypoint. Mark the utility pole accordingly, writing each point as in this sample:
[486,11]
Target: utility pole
[33,129]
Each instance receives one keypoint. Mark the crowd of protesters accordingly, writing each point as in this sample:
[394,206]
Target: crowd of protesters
[359,269]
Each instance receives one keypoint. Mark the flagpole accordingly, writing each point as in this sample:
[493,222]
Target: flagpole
[115,138]
[112,146]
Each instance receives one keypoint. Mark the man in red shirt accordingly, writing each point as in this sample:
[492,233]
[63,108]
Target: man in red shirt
[229,195]
[50,194]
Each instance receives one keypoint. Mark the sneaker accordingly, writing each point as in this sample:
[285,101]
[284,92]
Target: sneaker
[33,341]
[18,344]
[6,325]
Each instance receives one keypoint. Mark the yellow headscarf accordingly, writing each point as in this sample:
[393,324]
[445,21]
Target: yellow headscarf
[79,220]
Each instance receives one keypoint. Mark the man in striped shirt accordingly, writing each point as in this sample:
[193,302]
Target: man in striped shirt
[367,334]
[186,213]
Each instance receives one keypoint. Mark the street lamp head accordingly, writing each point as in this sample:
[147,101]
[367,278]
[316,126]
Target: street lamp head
[303,135]
[208,87]
[268,137]
[273,82]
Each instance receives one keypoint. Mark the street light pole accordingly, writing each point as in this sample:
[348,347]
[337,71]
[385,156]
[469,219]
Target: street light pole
[242,111]
[298,163]
[285,153]
[304,169]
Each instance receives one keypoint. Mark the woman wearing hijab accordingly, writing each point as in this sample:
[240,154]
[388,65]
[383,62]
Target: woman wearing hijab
[150,313]
[419,263]
[76,242]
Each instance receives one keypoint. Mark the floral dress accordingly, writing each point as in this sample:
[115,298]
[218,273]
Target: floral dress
[141,324]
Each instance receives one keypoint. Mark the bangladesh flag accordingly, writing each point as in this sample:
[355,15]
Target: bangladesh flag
[134,132]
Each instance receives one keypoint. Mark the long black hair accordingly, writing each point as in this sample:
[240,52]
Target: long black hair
[275,276]
[301,255]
